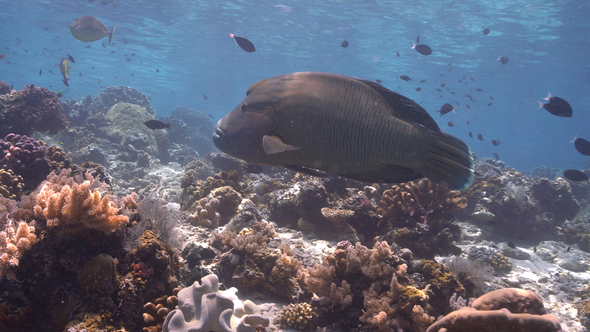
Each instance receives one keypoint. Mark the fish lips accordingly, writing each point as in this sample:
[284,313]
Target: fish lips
[220,139]
[234,146]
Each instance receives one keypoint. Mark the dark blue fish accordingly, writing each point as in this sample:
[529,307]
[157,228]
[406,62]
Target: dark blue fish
[422,49]
[244,43]
[344,44]
[557,106]
[575,175]
[582,145]
[503,59]
[486,31]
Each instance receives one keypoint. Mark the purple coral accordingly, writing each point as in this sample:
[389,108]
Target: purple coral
[25,156]
[31,109]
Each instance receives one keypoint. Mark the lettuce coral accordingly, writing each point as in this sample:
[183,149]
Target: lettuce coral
[72,203]
[203,308]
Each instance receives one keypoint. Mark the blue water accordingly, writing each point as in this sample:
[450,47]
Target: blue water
[548,43]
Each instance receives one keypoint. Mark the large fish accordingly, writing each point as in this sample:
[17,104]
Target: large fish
[89,29]
[342,125]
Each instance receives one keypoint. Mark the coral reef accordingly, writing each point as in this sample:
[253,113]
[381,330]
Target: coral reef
[517,206]
[25,156]
[203,308]
[118,94]
[30,109]
[419,215]
[126,127]
[155,313]
[62,201]
[193,128]
[206,214]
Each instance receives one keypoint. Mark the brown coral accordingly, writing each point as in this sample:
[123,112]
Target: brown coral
[11,185]
[206,214]
[416,200]
[74,203]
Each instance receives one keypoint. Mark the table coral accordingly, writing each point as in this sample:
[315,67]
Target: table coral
[76,203]
[203,308]
[31,109]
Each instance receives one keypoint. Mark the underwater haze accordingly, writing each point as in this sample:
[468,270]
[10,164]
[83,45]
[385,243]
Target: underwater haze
[183,52]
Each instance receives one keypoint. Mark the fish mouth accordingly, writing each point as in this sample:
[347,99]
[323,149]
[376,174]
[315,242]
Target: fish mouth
[219,138]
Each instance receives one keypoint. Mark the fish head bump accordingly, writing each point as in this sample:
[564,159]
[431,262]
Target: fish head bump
[241,131]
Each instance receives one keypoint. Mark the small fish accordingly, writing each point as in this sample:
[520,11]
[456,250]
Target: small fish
[64,69]
[157,70]
[479,90]
[418,40]
[132,54]
[205,97]
[497,156]
[450,124]
[557,106]
[486,31]
[446,108]
[490,104]
[89,29]
[422,49]
[472,78]
[405,78]
[510,244]
[535,249]
[418,89]
[40,71]
[503,59]
[18,39]
[379,81]
[244,43]
[112,52]
[344,44]
[128,59]
[422,81]
[103,45]
[155,124]
[59,95]
[568,249]
[439,90]
[575,175]
[470,134]
[80,74]
[89,46]
[582,145]
[2,56]
[467,122]
[467,105]
[71,58]
[496,142]
[210,115]
[480,137]
[397,53]
[49,70]
[491,98]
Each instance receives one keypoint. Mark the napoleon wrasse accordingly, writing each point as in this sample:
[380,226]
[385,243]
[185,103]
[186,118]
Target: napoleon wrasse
[346,126]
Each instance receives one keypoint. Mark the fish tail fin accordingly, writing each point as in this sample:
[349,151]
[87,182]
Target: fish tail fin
[167,126]
[540,105]
[449,162]
[111,33]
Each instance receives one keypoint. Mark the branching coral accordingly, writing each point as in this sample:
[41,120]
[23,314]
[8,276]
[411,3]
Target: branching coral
[13,243]
[76,203]
[31,109]
[417,201]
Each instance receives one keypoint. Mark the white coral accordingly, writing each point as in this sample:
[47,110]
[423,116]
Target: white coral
[203,308]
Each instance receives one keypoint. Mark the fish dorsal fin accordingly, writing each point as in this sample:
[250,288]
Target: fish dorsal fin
[404,107]
[273,144]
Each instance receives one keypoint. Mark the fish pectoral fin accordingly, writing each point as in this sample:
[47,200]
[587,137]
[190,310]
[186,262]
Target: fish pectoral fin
[386,174]
[307,171]
[404,107]
[273,144]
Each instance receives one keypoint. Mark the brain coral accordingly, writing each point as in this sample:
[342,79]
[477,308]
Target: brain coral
[31,109]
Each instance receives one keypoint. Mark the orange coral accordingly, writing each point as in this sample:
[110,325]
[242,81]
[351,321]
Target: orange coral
[74,203]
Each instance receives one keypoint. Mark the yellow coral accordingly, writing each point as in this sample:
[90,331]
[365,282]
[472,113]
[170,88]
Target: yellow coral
[76,203]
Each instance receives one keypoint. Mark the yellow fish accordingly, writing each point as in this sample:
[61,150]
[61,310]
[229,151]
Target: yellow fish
[64,68]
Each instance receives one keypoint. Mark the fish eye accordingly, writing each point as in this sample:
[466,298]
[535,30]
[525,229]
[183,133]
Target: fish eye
[244,107]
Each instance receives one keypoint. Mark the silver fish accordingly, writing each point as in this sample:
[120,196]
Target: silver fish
[350,127]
